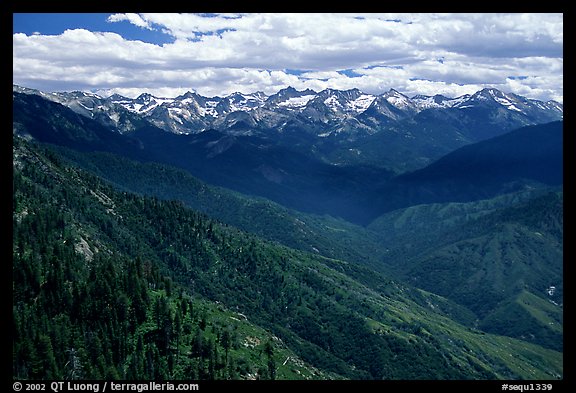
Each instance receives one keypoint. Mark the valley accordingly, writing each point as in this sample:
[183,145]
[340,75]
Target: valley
[304,235]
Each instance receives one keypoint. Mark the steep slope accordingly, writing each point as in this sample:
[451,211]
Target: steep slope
[259,167]
[50,122]
[107,111]
[489,256]
[324,235]
[70,227]
[534,152]
[84,310]
[527,157]
[332,238]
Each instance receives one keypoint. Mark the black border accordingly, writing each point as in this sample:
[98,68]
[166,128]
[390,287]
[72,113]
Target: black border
[569,380]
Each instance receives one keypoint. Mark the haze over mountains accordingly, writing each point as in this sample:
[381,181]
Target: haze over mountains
[372,209]
[333,152]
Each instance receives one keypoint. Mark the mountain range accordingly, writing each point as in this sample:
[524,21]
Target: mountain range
[300,162]
[339,127]
[331,111]
[433,225]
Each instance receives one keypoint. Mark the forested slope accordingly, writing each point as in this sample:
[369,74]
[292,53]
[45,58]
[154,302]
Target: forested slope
[110,284]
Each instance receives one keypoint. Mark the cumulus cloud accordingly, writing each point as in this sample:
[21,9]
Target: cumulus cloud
[450,54]
[135,19]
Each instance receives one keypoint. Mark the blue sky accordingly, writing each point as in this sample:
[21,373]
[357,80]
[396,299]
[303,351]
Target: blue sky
[55,24]
[169,54]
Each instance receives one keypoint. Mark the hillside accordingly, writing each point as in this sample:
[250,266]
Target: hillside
[325,235]
[526,158]
[484,255]
[106,280]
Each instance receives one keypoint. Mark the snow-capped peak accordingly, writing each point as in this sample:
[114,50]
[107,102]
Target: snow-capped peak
[492,96]
[241,102]
[341,109]
[351,101]
[290,98]
[117,98]
[144,98]
[437,101]
[399,100]
[361,103]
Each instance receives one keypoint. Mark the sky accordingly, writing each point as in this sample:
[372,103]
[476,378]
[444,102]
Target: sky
[218,54]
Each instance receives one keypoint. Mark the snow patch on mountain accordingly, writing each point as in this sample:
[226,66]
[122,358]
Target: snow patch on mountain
[361,103]
[438,101]
[209,108]
[296,102]
[244,102]
[398,102]
[145,103]
[327,113]
[507,103]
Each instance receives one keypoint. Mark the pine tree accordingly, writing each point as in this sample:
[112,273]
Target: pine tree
[43,360]
[269,351]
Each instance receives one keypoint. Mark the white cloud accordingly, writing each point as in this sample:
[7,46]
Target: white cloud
[135,19]
[413,53]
